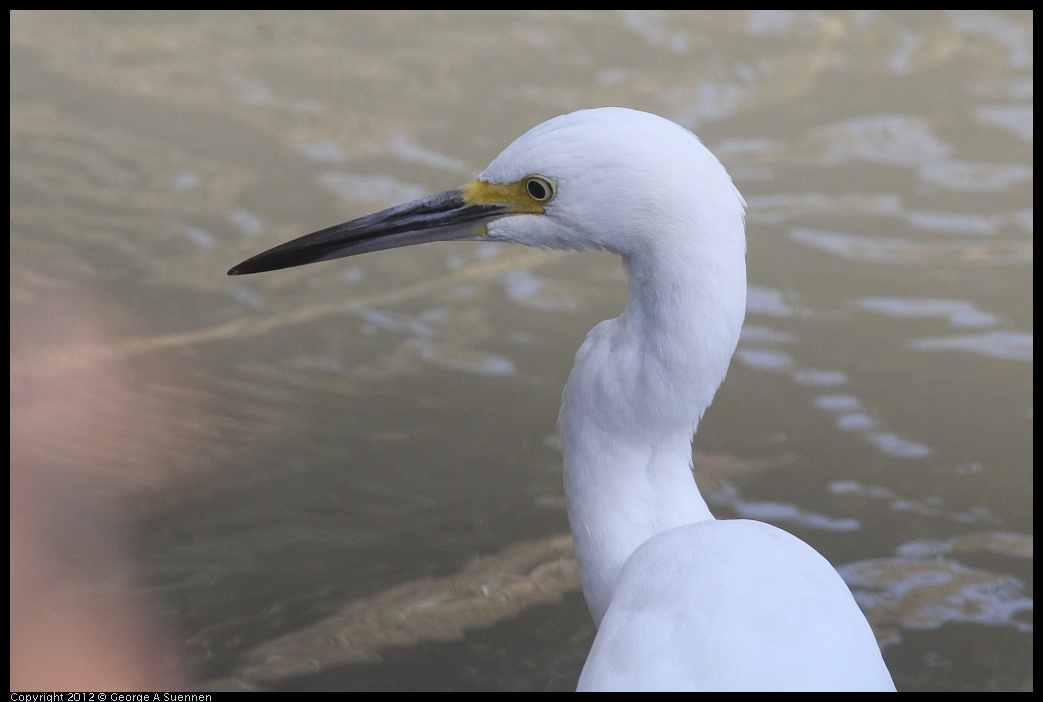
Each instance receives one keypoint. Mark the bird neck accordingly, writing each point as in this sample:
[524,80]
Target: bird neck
[631,405]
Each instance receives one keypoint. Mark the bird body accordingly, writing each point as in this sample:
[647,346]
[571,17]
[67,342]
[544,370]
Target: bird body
[732,605]
[682,601]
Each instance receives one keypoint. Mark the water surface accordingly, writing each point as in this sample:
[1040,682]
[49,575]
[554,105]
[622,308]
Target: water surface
[300,480]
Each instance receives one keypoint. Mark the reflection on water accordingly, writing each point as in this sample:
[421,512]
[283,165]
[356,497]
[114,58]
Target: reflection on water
[902,251]
[279,451]
[911,593]
[1009,346]
[960,313]
[487,590]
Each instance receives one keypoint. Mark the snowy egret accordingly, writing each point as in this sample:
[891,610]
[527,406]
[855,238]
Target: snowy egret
[682,601]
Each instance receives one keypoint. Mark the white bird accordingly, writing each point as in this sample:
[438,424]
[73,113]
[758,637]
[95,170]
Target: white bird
[682,601]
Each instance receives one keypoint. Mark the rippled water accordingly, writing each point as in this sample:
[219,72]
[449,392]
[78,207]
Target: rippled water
[346,476]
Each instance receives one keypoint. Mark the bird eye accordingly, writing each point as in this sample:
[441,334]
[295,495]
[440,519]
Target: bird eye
[539,188]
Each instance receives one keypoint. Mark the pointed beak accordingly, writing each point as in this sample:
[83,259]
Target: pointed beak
[462,213]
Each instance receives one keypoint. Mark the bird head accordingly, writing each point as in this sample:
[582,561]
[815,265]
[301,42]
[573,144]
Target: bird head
[609,178]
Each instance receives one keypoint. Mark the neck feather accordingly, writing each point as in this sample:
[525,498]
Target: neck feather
[631,405]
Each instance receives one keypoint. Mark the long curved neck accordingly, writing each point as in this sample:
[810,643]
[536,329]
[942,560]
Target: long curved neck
[639,387]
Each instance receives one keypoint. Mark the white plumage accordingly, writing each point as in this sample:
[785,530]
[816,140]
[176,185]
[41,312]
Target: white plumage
[682,601]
